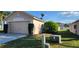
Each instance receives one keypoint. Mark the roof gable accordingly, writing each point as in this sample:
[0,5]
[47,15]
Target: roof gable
[25,13]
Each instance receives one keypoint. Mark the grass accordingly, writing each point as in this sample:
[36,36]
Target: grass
[69,40]
[26,42]
[1,31]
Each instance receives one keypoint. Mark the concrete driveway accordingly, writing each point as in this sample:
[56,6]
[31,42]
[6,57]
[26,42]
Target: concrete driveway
[9,37]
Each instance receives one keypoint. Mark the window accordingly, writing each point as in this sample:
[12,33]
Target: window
[42,28]
[75,26]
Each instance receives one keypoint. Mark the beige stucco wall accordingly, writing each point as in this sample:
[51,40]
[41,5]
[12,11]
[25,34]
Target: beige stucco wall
[78,28]
[37,26]
[22,17]
[71,28]
[18,24]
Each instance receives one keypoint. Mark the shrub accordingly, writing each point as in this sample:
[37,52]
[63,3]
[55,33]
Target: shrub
[50,27]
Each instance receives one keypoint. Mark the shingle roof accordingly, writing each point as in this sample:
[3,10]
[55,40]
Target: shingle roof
[36,18]
[74,22]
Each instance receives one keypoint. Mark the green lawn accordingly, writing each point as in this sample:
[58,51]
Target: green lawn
[26,42]
[69,40]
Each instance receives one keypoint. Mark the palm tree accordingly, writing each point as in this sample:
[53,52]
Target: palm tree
[42,15]
[3,14]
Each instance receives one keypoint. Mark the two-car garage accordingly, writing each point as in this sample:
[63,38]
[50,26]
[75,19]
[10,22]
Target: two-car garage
[18,27]
[20,22]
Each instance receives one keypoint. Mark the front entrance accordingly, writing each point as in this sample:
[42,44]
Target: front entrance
[18,27]
[75,27]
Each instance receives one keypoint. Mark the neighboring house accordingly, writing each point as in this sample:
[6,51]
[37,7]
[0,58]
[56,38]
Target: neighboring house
[74,27]
[61,26]
[18,23]
[58,28]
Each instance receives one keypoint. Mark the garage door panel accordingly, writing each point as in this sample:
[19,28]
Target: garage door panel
[19,27]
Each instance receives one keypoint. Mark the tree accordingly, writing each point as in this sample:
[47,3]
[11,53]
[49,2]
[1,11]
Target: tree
[66,25]
[50,27]
[3,14]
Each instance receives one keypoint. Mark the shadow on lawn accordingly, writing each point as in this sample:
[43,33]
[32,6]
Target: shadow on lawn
[69,40]
[24,43]
[68,34]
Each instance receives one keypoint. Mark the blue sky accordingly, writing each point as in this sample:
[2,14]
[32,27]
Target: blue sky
[57,16]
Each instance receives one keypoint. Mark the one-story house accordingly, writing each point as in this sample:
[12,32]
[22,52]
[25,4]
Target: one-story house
[62,26]
[18,22]
[74,27]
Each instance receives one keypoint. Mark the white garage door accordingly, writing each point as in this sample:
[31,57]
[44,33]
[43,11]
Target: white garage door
[18,27]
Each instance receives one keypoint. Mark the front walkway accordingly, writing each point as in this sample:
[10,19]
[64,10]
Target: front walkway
[9,37]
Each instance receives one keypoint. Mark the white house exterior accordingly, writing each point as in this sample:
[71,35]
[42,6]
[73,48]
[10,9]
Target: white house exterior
[18,22]
[74,27]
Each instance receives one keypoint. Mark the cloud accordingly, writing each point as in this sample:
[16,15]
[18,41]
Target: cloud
[66,21]
[70,13]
